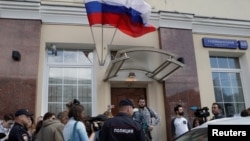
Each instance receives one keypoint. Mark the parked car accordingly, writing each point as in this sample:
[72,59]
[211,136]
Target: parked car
[200,133]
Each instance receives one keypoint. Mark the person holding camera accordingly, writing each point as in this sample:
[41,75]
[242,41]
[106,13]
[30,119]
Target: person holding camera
[202,114]
[179,124]
[96,126]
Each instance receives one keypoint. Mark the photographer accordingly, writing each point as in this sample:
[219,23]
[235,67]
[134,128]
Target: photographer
[96,125]
[202,114]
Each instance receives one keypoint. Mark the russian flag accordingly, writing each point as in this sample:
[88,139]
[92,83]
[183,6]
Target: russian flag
[129,16]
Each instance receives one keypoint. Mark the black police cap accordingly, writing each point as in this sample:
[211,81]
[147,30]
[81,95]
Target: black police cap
[126,102]
[23,112]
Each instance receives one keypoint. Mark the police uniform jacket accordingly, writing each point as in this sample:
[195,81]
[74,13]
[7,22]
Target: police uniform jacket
[18,133]
[121,128]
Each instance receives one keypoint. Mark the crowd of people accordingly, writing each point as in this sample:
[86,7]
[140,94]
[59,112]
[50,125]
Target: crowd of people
[73,125]
[131,123]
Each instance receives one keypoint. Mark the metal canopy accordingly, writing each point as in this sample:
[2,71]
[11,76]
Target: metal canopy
[157,64]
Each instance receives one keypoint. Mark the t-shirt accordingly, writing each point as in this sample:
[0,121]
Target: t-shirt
[181,126]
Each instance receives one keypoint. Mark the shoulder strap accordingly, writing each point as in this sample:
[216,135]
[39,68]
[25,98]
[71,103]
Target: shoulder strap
[152,114]
[73,132]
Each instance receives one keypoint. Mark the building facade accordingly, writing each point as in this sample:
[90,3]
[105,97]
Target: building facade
[50,55]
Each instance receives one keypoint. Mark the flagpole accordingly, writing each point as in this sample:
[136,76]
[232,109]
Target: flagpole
[98,55]
[92,34]
[102,60]
[113,37]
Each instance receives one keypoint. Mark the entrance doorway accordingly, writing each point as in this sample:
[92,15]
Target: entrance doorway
[131,93]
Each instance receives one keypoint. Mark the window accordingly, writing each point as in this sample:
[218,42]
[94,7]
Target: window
[69,77]
[227,84]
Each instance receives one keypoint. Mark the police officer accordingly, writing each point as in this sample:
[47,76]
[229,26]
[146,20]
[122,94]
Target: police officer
[19,131]
[122,127]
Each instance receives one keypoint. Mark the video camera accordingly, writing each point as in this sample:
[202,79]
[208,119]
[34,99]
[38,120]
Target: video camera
[97,122]
[202,113]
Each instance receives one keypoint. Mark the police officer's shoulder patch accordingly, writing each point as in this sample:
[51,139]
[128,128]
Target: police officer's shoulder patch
[25,137]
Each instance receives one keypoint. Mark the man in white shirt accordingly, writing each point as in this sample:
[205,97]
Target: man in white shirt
[179,124]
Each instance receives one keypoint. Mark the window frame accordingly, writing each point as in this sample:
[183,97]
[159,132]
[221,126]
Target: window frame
[228,70]
[45,97]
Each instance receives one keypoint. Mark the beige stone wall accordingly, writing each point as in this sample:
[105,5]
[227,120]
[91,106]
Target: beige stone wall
[204,70]
[213,8]
[208,8]
[83,35]
[64,2]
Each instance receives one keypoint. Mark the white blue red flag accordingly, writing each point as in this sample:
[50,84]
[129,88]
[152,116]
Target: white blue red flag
[129,16]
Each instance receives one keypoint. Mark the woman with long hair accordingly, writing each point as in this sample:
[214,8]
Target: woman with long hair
[75,129]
